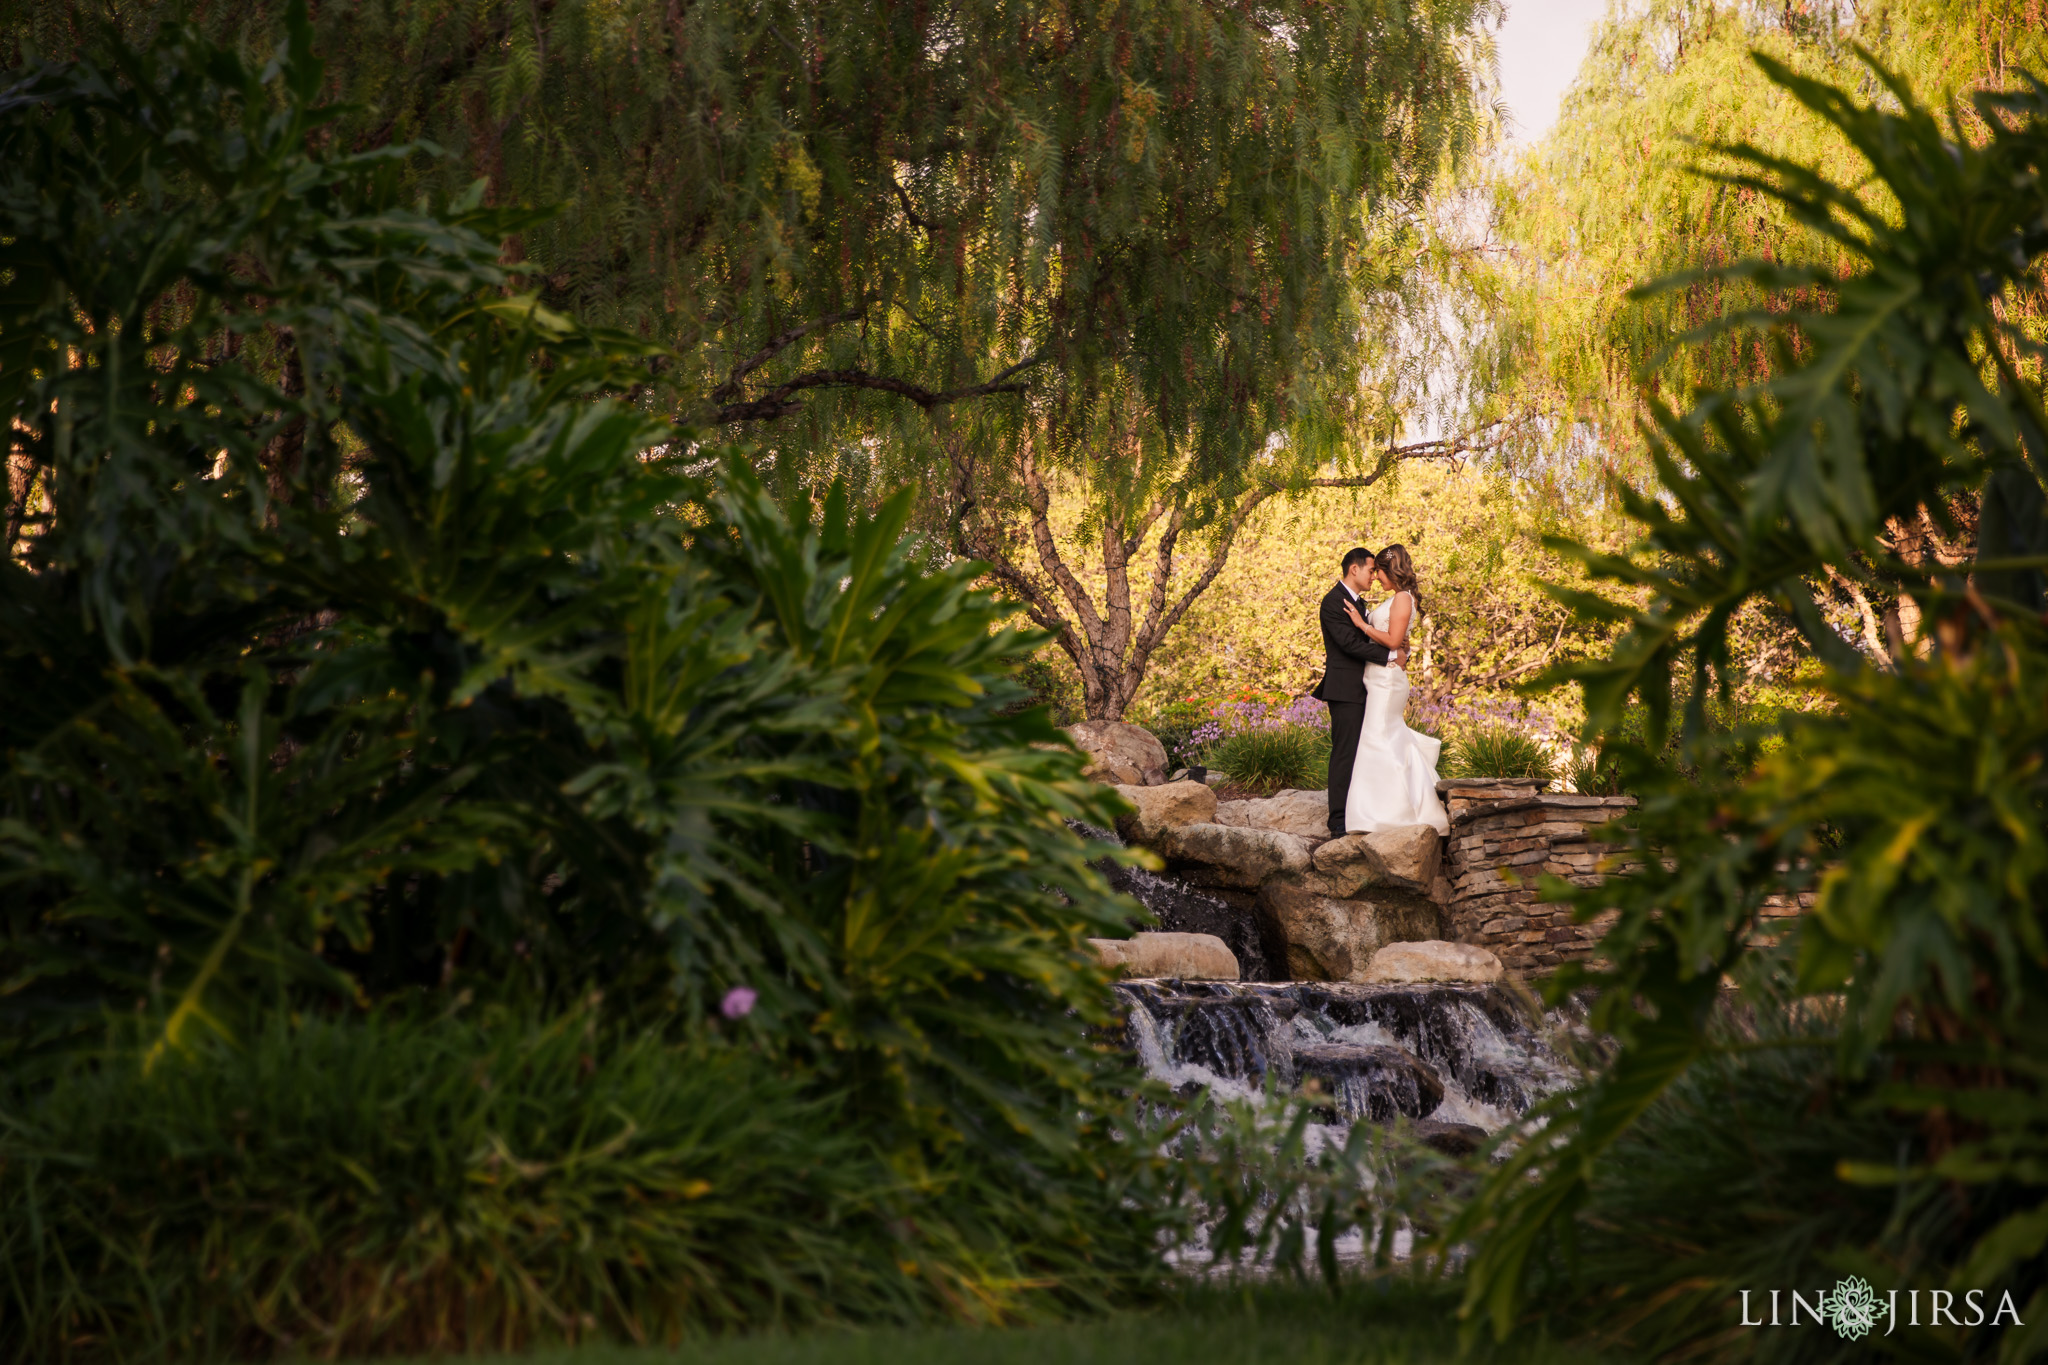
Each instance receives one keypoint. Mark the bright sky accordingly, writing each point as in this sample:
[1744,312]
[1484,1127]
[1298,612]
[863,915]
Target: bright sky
[1540,48]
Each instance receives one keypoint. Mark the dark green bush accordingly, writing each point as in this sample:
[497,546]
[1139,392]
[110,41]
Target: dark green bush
[432,1184]
[368,645]
[1733,1179]
[1587,775]
[1051,682]
[1175,725]
[1497,751]
[1296,756]
[1909,809]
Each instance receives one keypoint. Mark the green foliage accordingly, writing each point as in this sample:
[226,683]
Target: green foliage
[1185,209]
[368,645]
[1266,760]
[1047,685]
[1610,197]
[1477,543]
[432,1184]
[1122,247]
[1586,774]
[1913,804]
[1497,751]
[1738,732]
[1730,1182]
[1265,1322]
[1175,725]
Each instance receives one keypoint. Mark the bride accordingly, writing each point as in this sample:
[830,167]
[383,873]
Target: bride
[1394,781]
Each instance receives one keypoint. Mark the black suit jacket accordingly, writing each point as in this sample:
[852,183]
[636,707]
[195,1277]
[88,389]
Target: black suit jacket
[1346,651]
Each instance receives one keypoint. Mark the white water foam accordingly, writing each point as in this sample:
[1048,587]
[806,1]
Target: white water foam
[1152,1054]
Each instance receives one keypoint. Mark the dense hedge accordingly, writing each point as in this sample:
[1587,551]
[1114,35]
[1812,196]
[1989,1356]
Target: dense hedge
[367,648]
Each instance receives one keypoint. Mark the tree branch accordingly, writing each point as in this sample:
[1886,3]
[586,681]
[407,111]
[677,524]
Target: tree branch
[1505,674]
[779,401]
[903,196]
[1873,637]
[777,344]
[1040,502]
[971,542]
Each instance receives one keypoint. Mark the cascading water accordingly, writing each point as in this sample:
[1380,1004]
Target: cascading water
[1453,1062]
[1463,1055]
[1453,1057]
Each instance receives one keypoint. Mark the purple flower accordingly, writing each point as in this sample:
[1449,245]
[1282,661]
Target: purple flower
[738,1002]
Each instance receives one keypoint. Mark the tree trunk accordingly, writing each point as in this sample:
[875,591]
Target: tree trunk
[1112,635]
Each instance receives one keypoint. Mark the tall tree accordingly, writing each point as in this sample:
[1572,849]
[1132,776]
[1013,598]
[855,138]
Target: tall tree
[1611,197]
[1154,253]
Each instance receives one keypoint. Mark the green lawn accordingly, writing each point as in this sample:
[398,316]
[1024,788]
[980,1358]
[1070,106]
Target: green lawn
[1266,1326]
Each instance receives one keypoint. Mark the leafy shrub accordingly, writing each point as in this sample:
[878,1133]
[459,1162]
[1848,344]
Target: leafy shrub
[1050,681]
[367,646]
[1266,760]
[1588,775]
[1265,744]
[1176,726]
[434,1184]
[1497,751]
[1910,807]
[1732,735]
[1732,1180]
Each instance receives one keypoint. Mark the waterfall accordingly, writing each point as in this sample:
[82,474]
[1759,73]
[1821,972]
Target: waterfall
[1447,1054]
[1458,1059]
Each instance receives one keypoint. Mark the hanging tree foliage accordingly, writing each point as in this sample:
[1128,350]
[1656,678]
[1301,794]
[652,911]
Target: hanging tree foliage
[1611,198]
[1146,251]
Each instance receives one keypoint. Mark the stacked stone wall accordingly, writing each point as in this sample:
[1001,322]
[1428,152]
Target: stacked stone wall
[1504,836]
[1292,903]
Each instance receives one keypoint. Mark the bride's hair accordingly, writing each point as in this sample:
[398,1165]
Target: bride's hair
[1395,563]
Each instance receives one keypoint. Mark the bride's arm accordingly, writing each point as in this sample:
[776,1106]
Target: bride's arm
[1378,637]
[1396,634]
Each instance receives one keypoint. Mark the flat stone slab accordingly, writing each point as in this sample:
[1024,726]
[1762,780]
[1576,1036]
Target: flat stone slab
[1433,960]
[1305,814]
[1168,957]
[1168,806]
[1238,855]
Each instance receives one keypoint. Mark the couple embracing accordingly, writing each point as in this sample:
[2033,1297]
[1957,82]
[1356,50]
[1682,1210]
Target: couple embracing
[1382,774]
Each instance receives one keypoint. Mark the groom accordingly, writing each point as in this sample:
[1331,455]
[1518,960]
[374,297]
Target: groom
[1346,652]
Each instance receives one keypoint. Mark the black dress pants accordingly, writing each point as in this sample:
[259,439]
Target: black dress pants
[1347,721]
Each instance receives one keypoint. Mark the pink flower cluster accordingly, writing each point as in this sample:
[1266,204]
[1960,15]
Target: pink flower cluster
[1434,714]
[1238,717]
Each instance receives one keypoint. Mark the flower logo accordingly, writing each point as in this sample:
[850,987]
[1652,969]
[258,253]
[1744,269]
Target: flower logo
[1852,1308]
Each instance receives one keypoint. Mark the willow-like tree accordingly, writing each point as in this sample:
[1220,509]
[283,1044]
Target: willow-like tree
[1613,197]
[1155,254]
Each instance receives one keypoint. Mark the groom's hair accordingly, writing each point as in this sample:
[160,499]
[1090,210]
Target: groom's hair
[1357,554]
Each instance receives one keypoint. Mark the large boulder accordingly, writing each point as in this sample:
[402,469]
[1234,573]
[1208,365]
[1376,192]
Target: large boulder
[1407,858]
[1333,938]
[1232,855]
[1183,957]
[1303,814]
[1433,960]
[1164,808]
[1344,867]
[1452,1139]
[1120,752]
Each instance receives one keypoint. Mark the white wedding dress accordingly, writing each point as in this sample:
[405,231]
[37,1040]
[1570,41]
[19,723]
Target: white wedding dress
[1394,782]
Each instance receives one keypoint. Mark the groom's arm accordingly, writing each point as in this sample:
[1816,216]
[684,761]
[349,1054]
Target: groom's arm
[1348,639]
